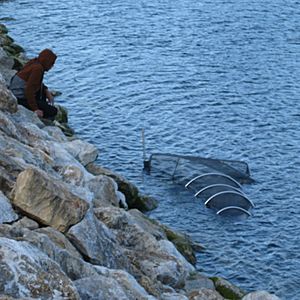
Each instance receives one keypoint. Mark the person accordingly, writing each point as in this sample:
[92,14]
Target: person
[28,87]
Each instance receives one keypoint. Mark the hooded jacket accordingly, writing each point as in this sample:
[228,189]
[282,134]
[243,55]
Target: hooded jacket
[33,73]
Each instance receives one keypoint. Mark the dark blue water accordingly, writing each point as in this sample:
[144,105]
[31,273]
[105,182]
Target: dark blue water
[210,78]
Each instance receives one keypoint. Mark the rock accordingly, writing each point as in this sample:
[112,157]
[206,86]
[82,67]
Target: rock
[25,115]
[7,126]
[101,287]
[183,244]
[56,133]
[47,200]
[7,213]
[157,259]
[114,284]
[205,294]
[28,272]
[133,198]
[104,189]
[62,114]
[24,155]
[8,101]
[3,29]
[227,290]
[84,152]
[260,295]
[59,240]
[6,65]
[58,249]
[26,223]
[97,243]
[196,281]
[72,175]
[173,296]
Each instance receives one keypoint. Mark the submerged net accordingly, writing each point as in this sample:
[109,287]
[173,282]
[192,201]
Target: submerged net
[182,168]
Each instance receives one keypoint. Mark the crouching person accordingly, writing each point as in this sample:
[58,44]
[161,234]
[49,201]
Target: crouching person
[28,87]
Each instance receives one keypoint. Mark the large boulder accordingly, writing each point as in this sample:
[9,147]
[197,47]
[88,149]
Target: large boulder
[153,256]
[97,243]
[84,152]
[104,189]
[47,200]
[28,272]
[115,285]
[7,213]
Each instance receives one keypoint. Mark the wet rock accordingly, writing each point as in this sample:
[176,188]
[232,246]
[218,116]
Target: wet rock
[62,114]
[227,290]
[47,200]
[3,29]
[97,243]
[28,272]
[260,295]
[105,191]
[7,213]
[205,294]
[84,152]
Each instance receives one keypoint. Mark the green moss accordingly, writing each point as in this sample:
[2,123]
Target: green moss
[227,290]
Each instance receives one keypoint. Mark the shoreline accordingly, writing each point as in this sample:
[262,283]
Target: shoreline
[123,247]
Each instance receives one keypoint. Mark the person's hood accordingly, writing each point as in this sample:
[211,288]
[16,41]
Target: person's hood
[47,59]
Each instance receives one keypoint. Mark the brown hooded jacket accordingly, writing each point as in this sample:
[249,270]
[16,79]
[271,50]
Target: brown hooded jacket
[33,73]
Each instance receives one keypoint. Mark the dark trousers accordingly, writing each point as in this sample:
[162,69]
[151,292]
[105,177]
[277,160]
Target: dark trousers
[49,111]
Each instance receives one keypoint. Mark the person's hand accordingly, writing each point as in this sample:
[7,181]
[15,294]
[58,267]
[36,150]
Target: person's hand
[39,113]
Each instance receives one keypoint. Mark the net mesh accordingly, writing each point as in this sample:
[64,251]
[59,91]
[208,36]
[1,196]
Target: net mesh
[182,168]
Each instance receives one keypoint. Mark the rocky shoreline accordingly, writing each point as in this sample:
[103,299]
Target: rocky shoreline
[70,229]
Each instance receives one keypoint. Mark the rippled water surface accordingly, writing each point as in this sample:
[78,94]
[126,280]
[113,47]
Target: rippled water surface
[210,78]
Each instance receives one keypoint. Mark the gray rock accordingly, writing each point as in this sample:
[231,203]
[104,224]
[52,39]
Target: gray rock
[173,296]
[260,295]
[25,115]
[101,288]
[205,294]
[105,191]
[47,200]
[28,272]
[72,174]
[84,152]
[8,102]
[26,223]
[157,259]
[197,281]
[7,213]
[59,240]
[97,243]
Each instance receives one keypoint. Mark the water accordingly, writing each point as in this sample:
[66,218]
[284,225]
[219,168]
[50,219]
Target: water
[210,78]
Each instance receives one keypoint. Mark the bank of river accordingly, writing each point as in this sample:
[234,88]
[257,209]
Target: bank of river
[210,79]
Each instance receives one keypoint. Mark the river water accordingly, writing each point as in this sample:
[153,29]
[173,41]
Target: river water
[210,78]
